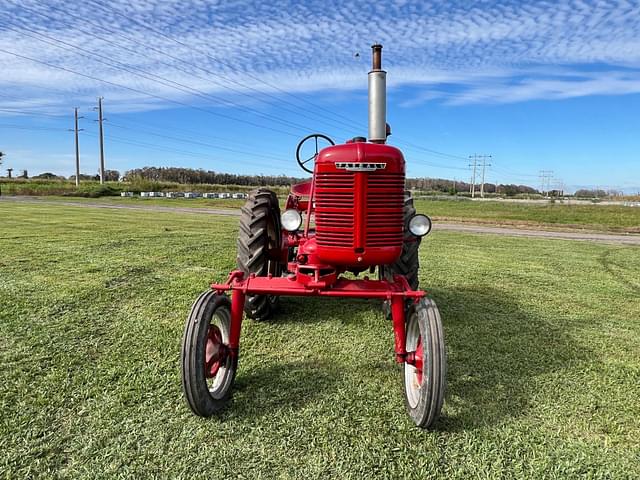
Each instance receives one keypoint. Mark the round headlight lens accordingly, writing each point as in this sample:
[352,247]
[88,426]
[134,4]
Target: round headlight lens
[420,225]
[291,220]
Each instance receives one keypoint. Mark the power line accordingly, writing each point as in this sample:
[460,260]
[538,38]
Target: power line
[431,151]
[195,142]
[182,87]
[148,47]
[151,146]
[169,100]
[24,127]
[410,144]
[132,89]
[231,67]
[31,113]
[155,133]
[156,78]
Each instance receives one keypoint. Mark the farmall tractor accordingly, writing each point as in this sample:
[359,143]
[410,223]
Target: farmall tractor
[353,216]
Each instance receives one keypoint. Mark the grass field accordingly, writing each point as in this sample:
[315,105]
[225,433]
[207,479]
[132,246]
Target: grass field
[161,202]
[593,217]
[590,217]
[542,336]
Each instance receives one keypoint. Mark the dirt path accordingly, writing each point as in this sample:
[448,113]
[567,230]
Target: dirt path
[454,227]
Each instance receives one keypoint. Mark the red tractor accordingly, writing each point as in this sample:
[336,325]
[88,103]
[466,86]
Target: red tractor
[355,216]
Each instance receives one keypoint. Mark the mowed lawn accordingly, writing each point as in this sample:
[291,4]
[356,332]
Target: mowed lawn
[613,218]
[543,341]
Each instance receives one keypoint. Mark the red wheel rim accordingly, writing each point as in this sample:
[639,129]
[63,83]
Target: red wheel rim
[418,360]
[214,352]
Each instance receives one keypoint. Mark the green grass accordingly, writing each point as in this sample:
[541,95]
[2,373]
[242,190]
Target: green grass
[594,217]
[93,188]
[542,337]
[213,203]
[591,217]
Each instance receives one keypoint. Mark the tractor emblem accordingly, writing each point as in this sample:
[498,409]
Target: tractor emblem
[360,167]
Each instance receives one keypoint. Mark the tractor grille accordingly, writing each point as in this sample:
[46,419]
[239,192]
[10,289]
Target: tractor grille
[339,203]
[335,201]
[384,219]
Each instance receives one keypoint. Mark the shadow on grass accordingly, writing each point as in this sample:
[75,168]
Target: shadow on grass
[281,387]
[296,310]
[498,354]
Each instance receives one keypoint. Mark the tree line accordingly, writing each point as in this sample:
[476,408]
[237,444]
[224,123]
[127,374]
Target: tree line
[200,176]
[191,176]
[456,186]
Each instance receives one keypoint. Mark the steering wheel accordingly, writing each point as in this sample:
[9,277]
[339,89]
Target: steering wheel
[315,136]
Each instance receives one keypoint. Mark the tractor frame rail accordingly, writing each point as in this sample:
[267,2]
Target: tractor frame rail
[396,292]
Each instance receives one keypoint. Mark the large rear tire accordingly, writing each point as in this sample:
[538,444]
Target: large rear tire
[258,240]
[208,368]
[425,379]
[408,264]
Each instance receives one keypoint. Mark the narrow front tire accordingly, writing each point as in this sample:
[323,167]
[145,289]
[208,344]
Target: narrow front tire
[208,365]
[425,370]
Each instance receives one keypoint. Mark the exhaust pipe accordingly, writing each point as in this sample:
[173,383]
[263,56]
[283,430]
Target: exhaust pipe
[377,98]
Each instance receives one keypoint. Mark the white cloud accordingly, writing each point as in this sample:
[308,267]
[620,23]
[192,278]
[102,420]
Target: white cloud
[486,52]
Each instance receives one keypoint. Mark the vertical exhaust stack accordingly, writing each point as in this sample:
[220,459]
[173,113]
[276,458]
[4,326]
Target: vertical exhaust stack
[377,98]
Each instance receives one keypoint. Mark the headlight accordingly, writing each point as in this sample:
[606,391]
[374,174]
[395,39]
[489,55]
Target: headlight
[291,220]
[420,225]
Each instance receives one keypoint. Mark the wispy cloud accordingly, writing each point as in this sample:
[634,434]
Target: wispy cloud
[455,52]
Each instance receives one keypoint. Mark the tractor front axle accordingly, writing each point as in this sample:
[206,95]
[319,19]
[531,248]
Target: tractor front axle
[396,292]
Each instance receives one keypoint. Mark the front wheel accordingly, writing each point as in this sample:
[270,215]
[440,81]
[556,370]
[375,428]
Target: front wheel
[425,370]
[208,367]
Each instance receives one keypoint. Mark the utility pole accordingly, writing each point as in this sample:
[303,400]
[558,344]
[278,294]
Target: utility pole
[473,176]
[76,130]
[100,120]
[484,164]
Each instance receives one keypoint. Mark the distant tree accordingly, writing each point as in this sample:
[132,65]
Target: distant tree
[192,176]
[25,174]
[48,176]
[111,175]
[588,193]
[84,177]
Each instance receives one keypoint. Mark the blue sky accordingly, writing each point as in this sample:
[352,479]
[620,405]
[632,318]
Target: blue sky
[231,86]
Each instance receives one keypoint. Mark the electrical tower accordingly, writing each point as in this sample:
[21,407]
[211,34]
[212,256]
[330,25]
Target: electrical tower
[475,158]
[545,181]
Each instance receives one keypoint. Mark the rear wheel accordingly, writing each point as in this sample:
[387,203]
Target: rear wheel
[208,368]
[408,264]
[258,244]
[425,370]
